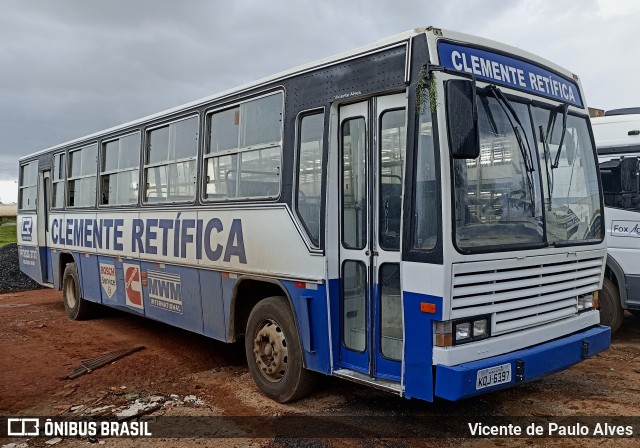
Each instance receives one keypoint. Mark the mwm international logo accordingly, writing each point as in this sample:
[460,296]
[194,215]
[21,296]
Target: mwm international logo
[27,228]
[165,291]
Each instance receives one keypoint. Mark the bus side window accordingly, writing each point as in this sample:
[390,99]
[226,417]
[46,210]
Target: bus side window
[425,210]
[81,176]
[119,170]
[310,174]
[28,186]
[393,137]
[244,150]
[170,162]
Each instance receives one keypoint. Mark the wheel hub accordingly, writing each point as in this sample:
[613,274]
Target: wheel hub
[270,350]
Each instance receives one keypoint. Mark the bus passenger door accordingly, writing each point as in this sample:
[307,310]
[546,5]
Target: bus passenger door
[44,205]
[372,140]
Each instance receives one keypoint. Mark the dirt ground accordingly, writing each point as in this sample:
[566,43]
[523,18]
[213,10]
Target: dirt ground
[39,346]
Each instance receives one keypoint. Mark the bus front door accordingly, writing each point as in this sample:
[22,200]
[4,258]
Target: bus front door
[372,139]
[43,226]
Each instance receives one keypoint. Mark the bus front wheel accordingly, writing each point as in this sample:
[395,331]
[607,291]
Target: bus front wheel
[76,307]
[274,352]
[611,312]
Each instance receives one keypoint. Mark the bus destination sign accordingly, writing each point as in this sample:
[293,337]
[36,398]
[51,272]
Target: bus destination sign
[508,71]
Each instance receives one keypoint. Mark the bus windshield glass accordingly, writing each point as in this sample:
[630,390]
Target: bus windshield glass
[572,202]
[511,196]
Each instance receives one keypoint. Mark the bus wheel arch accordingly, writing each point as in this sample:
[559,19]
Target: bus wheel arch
[64,259]
[76,307]
[247,293]
[611,298]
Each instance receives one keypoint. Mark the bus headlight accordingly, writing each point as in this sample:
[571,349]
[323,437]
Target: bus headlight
[461,331]
[585,302]
[480,328]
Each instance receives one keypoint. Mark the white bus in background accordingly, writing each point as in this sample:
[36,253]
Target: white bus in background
[617,137]
[404,215]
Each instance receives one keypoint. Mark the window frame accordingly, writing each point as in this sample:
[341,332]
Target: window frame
[341,205]
[206,154]
[21,187]
[323,173]
[145,142]
[101,174]
[378,173]
[434,254]
[62,180]
[84,176]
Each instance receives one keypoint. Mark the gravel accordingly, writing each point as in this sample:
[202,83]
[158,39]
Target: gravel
[11,279]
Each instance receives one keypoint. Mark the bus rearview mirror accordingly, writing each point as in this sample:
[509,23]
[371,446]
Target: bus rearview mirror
[462,119]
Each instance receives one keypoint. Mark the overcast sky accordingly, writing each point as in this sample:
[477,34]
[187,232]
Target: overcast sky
[70,68]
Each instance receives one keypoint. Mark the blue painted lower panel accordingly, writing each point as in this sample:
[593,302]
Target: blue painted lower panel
[310,309]
[418,346]
[45,262]
[456,382]
[214,307]
[172,295]
[197,300]
[30,262]
[88,264]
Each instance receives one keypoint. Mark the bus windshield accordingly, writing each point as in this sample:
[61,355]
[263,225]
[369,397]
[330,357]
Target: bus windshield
[513,195]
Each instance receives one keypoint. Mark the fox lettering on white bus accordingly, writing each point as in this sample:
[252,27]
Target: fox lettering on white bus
[625,228]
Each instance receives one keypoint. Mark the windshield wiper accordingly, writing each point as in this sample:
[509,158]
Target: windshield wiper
[565,111]
[509,111]
[504,102]
[547,158]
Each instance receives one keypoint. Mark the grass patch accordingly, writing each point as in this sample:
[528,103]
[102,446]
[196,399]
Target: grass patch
[8,234]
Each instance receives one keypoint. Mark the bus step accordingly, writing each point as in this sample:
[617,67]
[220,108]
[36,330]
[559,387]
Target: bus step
[361,378]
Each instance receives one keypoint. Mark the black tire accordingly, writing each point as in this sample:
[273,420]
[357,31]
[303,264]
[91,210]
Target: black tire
[611,312]
[77,308]
[274,352]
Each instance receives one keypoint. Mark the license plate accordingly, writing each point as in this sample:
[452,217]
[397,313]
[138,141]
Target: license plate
[493,376]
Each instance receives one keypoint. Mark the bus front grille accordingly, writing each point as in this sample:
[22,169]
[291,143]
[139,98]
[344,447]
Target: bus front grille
[523,293]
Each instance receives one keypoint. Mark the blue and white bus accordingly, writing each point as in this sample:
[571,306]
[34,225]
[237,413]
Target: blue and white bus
[422,215]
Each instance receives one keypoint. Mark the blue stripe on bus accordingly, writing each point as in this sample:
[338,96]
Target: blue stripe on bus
[89,284]
[198,300]
[216,294]
[30,260]
[418,349]
[456,382]
[310,309]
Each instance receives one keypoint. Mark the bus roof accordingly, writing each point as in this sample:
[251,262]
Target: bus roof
[623,111]
[386,42]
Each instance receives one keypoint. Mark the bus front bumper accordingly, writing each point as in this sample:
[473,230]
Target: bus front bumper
[477,377]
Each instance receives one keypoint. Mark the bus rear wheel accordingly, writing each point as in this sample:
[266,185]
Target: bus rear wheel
[76,307]
[611,312]
[274,352]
